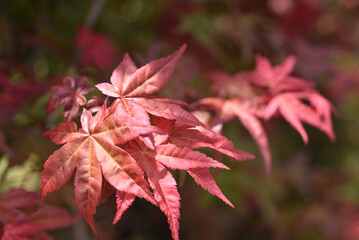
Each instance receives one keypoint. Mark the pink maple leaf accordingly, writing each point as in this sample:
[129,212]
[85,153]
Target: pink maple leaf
[238,98]
[134,86]
[92,151]
[247,114]
[175,152]
[70,92]
[276,79]
[291,106]
[264,92]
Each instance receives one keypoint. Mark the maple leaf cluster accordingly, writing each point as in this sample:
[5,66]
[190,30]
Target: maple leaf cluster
[21,220]
[129,146]
[268,91]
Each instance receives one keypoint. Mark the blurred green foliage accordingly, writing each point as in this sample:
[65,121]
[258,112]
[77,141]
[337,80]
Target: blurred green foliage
[25,175]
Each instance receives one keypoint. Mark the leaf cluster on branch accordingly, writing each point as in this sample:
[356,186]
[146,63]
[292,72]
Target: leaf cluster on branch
[129,146]
[268,91]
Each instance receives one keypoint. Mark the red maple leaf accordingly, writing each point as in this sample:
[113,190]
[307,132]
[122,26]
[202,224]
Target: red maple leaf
[95,103]
[92,151]
[184,135]
[173,149]
[70,92]
[20,220]
[129,81]
[95,49]
[134,86]
[14,200]
[154,163]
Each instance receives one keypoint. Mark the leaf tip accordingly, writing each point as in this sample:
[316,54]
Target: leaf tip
[183,47]
[89,220]
[42,197]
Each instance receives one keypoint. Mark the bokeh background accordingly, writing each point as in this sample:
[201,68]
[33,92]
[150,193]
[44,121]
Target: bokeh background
[313,190]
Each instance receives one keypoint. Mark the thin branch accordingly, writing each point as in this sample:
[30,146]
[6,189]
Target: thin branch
[94,12]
